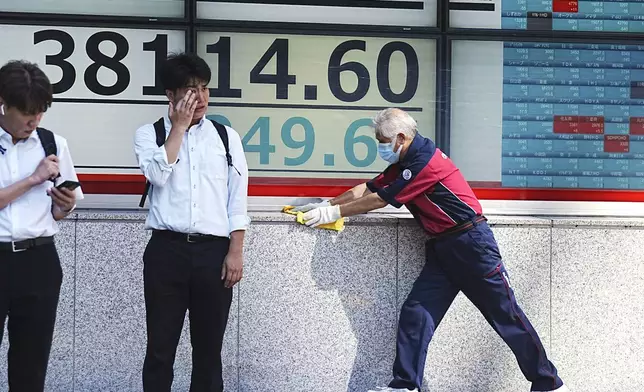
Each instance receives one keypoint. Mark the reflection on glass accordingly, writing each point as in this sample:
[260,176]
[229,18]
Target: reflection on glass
[143,8]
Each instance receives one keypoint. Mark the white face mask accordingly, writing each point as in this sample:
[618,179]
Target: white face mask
[386,151]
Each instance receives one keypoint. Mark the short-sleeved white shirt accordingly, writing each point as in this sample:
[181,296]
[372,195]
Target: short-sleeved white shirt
[30,215]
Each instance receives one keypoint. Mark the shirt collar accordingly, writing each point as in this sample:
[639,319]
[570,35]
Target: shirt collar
[6,135]
[34,135]
[419,142]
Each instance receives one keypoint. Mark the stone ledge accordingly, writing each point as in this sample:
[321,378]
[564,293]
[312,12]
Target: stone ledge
[386,217]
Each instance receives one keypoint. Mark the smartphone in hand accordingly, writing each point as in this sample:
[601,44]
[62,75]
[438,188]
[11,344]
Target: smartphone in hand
[71,185]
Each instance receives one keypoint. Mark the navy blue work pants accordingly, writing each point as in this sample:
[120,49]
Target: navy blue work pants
[470,262]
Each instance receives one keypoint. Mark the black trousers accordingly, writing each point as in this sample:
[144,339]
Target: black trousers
[29,290]
[180,276]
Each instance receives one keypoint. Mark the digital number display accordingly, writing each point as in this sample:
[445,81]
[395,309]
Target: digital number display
[626,16]
[351,12]
[105,85]
[549,115]
[303,104]
[574,15]
[573,115]
[143,8]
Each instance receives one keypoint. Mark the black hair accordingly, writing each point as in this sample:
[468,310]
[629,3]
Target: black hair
[180,69]
[25,87]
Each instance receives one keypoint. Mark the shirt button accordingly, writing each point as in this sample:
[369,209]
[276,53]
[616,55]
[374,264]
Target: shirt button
[194,187]
[193,168]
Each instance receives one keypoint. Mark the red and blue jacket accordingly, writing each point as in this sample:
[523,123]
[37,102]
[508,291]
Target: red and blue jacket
[432,188]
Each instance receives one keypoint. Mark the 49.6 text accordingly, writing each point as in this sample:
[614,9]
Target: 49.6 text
[262,143]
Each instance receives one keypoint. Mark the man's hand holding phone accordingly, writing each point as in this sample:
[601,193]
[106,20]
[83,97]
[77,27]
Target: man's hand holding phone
[63,195]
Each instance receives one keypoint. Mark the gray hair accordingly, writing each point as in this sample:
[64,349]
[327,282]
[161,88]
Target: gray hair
[390,122]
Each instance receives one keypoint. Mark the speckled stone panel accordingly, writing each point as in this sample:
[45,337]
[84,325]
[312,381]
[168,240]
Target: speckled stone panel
[60,370]
[466,354]
[317,308]
[598,307]
[110,320]
[110,315]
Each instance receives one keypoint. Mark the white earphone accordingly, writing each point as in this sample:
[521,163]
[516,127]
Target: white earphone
[2,109]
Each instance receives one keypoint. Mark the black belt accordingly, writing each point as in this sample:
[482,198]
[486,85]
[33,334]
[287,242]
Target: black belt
[188,237]
[460,228]
[19,246]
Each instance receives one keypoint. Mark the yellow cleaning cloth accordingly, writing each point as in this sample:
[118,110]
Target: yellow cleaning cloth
[337,225]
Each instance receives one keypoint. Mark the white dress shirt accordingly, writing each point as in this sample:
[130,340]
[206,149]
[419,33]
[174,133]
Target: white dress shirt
[30,215]
[199,193]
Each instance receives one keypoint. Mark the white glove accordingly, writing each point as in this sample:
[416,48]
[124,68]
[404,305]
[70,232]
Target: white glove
[311,206]
[322,216]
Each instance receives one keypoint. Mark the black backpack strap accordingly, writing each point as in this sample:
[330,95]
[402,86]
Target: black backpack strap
[223,134]
[48,141]
[159,130]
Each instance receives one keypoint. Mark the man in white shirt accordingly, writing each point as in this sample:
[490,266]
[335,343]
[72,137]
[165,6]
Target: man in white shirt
[198,217]
[30,206]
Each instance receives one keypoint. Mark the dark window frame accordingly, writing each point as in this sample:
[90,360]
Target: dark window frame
[442,33]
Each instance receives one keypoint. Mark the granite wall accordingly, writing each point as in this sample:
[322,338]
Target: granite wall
[317,310]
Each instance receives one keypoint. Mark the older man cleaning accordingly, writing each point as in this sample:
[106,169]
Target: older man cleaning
[462,254]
